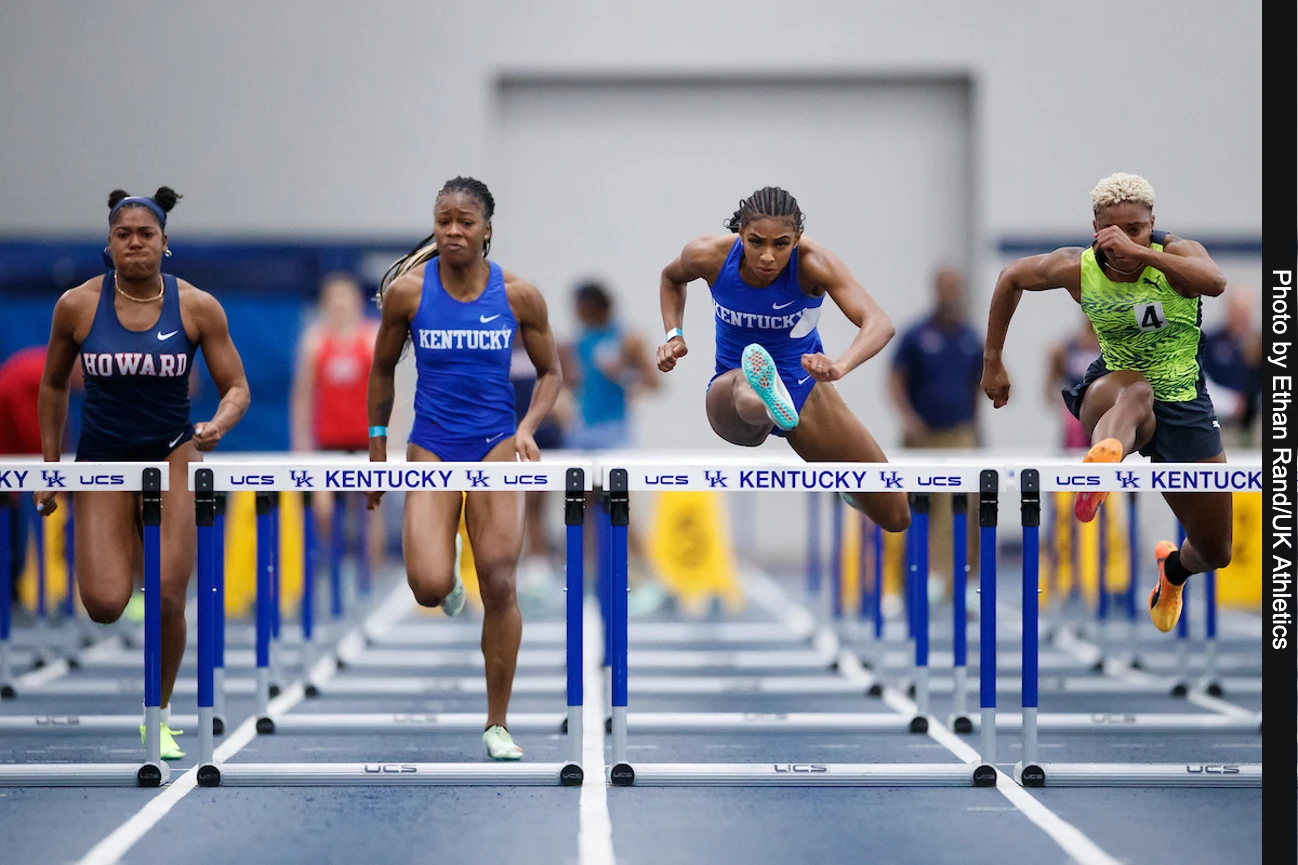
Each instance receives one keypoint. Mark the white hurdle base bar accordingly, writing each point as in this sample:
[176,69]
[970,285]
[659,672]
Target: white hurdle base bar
[555,685]
[400,659]
[1139,774]
[85,775]
[26,725]
[409,722]
[125,687]
[554,633]
[773,722]
[1124,722]
[389,774]
[803,775]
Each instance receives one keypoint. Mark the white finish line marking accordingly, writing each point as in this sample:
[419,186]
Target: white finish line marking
[110,850]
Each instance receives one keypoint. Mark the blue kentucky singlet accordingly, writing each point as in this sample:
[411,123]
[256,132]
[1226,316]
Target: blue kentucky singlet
[137,382]
[462,355]
[780,317]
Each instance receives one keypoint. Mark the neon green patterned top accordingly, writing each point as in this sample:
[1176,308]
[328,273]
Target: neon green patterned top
[1145,326]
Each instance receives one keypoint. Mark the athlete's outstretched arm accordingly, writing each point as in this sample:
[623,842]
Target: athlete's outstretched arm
[534,327]
[1059,269]
[684,269]
[226,368]
[822,270]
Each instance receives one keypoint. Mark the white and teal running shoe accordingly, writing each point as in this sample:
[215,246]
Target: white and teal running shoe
[453,603]
[760,371]
[500,745]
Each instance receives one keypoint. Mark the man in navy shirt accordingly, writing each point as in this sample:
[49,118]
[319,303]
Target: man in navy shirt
[935,385]
[1232,360]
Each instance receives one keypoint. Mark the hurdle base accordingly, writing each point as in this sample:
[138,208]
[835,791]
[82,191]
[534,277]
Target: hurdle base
[7,692]
[919,724]
[961,723]
[28,725]
[218,725]
[801,775]
[209,776]
[265,725]
[384,774]
[1139,775]
[571,775]
[84,775]
[411,722]
[771,722]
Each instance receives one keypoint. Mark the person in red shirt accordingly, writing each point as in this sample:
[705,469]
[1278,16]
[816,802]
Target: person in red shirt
[20,435]
[328,398]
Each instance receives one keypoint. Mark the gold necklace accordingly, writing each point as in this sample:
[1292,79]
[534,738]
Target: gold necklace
[161,291]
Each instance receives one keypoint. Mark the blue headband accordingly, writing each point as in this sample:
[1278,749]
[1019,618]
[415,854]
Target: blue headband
[139,201]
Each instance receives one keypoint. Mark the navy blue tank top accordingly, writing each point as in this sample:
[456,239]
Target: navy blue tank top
[462,355]
[137,382]
[780,317]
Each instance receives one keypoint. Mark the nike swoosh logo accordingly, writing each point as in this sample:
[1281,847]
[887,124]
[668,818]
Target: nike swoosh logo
[163,336]
[804,378]
[486,318]
[783,305]
[172,443]
[491,439]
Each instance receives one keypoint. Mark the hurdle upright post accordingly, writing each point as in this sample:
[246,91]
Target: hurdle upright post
[265,598]
[878,581]
[308,574]
[1182,632]
[619,519]
[6,595]
[989,481]
[337,524]
[151,517]
[218,615]
[960,620]
[69,605]
[919,525]
[1030,773]
[1133,569]
[205,519]
[574,518]
[836,559]
[1211,683]
[813,544]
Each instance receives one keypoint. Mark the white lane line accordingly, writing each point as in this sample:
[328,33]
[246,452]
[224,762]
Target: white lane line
[110,850]
[595,828]
[1083,850]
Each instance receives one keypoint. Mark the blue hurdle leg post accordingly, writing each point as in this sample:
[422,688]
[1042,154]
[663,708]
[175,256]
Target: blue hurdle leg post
[1028,772]
[574,517]
[604,586]
[43,653]
[69,606]
[265,598]
[1211,684]
[919,524]
[218,616]
[277,597]
[6,594]
[1182,686]
[862,563]
[308,577]
[363,573]
[336,524]
[960,721]
[154,773]
[989,482]
[205,520]
[813,545]
[621,774]
[836,559]
[1102,637]
[1133,571]
[878,582]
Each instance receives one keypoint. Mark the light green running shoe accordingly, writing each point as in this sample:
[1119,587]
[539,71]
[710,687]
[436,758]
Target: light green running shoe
[453,603]
[760,371]
[170,750]
[500,745]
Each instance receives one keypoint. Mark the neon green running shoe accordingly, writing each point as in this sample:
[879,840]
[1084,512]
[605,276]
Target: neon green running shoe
[170,750]
[500,745]
[134,612]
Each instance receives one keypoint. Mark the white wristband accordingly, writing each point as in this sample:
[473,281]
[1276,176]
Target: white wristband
[673,333]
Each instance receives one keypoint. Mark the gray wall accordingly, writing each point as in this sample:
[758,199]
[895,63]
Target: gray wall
[346,120]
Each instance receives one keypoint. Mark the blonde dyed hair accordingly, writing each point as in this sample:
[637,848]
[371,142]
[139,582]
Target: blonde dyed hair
[1119,188]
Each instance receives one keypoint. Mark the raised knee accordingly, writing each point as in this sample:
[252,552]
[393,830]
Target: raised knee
[896,520]
[103,610]
[430,592]
[1140,393]
[1215,555]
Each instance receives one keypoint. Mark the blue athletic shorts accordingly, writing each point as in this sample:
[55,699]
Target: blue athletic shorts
[455,448]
